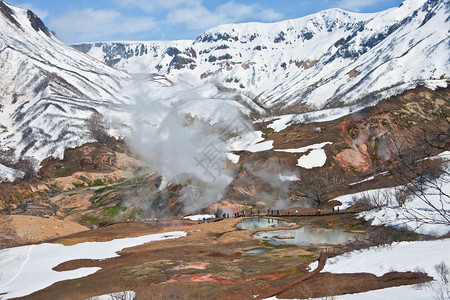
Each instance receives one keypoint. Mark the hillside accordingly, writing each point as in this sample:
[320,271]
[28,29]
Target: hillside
[48,90]
[231,166]
[328,59]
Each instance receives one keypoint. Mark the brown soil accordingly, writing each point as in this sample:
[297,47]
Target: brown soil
[209,263]
[328,284]
[31,229]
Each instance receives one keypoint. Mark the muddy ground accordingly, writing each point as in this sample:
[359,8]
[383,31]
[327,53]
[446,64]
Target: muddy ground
[211,263]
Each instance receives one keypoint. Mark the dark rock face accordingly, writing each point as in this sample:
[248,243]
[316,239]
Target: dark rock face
[85,48]
[37,23]
[8,13]
[180,62]
[172,51]
[217,36]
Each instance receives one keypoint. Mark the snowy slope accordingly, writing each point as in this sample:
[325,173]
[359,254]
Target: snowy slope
[48,89]
[401,257]
[332,58]
[27,269]
[326,59]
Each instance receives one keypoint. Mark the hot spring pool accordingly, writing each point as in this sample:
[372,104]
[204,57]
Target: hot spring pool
[307,235]
[261,223]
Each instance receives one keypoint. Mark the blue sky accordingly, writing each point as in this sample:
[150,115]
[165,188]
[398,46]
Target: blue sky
[127,20]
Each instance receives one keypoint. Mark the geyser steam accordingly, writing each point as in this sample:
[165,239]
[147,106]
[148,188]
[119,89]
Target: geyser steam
[182,136]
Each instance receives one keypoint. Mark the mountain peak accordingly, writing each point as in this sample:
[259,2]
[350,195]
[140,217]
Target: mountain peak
[37,23]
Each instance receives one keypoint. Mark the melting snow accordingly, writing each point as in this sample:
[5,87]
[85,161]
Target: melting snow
[401,257]
[127,295]
[27,269]
[305,149]
[264,146]
[234,158]
[316,158]
[8,174]
[368,178]
[199,217]
[282,122]
[249,142]
[414,215]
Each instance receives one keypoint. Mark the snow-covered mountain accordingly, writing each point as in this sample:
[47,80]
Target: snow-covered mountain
[323,60]
[332,58]
[48,89]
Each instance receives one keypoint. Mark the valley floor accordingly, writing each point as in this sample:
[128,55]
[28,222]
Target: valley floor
[187,260]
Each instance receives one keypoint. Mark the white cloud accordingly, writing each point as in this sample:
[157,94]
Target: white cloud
[155,17]
[41,13]
[194,17]
[91,25]
[235,10]
[356,5]
[269,15]
[151,6]
[197,16]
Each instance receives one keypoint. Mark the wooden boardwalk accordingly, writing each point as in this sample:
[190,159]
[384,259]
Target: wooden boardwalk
[343,212]
[322,259]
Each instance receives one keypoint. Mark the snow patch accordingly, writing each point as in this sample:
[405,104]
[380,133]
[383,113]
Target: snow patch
[250,141]
[234,158]
[316,158]
[8,174]
[27,269]
[401,257]
[199,217]
[414,215]
[264,146]
[127,295]
[306,148]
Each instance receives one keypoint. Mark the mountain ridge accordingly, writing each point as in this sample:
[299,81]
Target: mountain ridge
[329,59]
[48,89]
[323,60]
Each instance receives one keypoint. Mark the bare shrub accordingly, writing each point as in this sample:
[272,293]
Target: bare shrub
[127,295]
[27,165]
[318,185]
[443,271]
[7,157]
[385,236]
[97,128]
[416,166]
[363,201]
[441,287]
[375,199]
[401,195]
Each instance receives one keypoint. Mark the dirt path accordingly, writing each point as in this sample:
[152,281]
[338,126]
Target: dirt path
[322,259]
